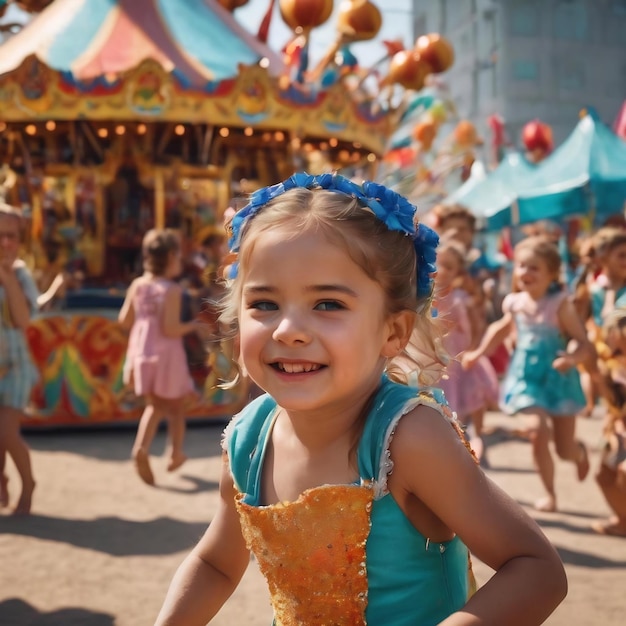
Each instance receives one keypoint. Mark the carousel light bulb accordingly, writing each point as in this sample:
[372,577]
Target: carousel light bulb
[344,155]
[371,157]
[324,145]
[180,129]
[224,132]
[3,127]
[31,129]
[279,135]
[308,147]
[120,129]
[141,129]
[267,136]
[50,125]
[264,63]
[248,131]
[333,142]
[103,132]
[357,145]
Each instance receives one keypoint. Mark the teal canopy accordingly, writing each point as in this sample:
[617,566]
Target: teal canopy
[491,197]
[586,174]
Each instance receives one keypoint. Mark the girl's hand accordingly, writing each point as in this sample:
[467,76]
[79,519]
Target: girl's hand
[563,363]
[469,359]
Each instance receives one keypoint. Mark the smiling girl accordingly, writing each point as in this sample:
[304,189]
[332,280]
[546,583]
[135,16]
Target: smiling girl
[542,382]
[332,298]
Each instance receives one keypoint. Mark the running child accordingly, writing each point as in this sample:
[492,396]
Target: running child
[344,482]
[542,382]
[156,364]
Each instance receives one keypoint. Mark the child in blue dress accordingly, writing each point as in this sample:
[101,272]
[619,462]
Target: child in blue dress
[342,480]
[542,382]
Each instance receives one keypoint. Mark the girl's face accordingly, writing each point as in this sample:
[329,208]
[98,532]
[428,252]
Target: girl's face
[448,268]
[532,274]
[313,329]
[9,239]
[615,264]
[462,230]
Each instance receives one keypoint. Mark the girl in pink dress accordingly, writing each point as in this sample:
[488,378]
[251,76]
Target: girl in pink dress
[469,392]
[156,364]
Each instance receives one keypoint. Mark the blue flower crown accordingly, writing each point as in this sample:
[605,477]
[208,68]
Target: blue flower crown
[394,210]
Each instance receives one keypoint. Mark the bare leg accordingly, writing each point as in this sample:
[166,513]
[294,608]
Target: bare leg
[616,499]
[568,447]
[539,435]
[11,440]
[476,442]
[176,428]
[146,430]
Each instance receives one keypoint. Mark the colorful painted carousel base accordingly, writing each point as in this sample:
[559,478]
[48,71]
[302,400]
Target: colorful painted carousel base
[80,356]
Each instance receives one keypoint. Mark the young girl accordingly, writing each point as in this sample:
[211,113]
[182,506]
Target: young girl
[542,382]
[469,392]
[155,360]
[345,484]
[18,375]
[611,477]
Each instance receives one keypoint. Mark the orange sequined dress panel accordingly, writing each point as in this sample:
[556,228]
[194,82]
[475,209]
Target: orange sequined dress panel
[312,553]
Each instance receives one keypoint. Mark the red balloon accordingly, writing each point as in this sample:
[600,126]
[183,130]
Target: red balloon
[537,136]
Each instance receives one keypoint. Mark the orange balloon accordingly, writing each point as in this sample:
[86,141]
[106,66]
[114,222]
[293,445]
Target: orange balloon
[360,20]
[436,50]
[424,133]
[231,5]
[465,134]
[305,14]
[408,69]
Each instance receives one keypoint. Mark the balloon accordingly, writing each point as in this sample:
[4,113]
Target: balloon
[537,136]
[424,132]
[436,51]
[305,14]
[407,69]
[358,20]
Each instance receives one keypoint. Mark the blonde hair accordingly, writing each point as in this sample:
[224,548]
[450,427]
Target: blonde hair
[387,256]
[545,249]
[156,248]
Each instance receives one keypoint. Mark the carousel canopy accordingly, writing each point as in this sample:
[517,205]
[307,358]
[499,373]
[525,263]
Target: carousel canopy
[197,40]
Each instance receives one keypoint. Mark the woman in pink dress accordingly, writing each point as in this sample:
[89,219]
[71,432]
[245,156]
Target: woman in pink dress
[156,364]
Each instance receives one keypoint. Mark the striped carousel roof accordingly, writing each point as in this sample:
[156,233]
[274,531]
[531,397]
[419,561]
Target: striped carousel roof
[197,40]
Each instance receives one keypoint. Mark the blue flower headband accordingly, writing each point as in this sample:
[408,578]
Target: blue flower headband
[388,206]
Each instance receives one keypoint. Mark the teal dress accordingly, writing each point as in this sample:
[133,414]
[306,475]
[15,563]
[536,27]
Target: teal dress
[598,297]
[409,579]
[531,381]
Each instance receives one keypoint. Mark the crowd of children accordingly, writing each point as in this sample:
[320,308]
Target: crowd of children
[330,299]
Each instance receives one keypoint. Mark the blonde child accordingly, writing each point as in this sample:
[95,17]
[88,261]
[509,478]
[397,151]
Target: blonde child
[18,375]
[469,392]
[611,476]
[542,382]
[333,287]
[156,364]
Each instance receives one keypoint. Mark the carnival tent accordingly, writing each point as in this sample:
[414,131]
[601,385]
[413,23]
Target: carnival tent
[586,174]
[197,40]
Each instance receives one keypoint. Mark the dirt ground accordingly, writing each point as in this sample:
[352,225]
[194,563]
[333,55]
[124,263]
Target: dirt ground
[101,547]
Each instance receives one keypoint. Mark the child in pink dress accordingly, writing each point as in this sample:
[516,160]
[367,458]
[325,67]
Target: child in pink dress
[156,364]
[469,392]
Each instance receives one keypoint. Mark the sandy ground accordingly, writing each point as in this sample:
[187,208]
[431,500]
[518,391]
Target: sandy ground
[101,547]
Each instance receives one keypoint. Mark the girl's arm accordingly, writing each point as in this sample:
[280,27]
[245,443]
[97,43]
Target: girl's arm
[212,571]
[171,326]
[572,325]
[495,334]
[432,464]
[18,302]
[126,316]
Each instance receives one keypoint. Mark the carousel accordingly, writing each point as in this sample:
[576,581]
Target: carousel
[117,116]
